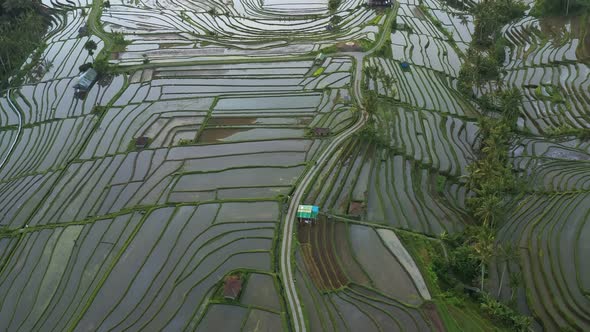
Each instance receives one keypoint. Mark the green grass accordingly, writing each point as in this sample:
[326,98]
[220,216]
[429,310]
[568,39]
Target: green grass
[463,316]
[458,313]
[375,20]
[319,71]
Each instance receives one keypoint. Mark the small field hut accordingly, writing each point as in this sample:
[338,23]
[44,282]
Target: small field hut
[308,213]
[232,287]
[86,80]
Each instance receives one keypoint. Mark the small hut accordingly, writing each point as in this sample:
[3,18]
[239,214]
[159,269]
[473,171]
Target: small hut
[321,132]
[232,287]
[308,213]
[141,142]
[320,58]
[86,80]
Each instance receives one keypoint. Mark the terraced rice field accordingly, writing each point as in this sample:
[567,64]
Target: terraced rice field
[426,136]
[99,234]
[548,226]
[358,283]
[549,52]
[185,30]
[412,178]
[108,236]
[548,233]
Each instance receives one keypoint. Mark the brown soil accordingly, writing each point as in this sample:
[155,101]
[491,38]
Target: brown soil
[217,135]
[232,121]
[356,208]
[429,309]
[319,255]
[349,47]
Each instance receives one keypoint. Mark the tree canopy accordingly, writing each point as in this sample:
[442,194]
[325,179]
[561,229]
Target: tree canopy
[12,8]
[556,7]
[21,30]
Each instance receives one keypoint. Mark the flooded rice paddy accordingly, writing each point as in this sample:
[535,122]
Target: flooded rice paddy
[108,235]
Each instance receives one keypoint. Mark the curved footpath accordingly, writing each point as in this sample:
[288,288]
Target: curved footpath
[287,277]
[20,127]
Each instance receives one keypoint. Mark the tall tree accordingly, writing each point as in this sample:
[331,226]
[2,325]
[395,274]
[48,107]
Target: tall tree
[484,249]
[507,254]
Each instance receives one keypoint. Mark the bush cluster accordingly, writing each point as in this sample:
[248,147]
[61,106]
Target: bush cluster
[22,25]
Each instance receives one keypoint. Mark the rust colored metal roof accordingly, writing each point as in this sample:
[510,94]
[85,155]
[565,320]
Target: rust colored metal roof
[232,287]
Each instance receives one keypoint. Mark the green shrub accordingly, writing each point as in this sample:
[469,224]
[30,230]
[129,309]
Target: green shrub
[460,267]
[503,314]
[490,16]
[330,49]
[119,42]
[559,7]
[335,19]
[319,71]
[478,68]
[85,67]
[440,183]
[500,49]
[333,5]
[102,66]
[21,33]
[186,141]
[98,109]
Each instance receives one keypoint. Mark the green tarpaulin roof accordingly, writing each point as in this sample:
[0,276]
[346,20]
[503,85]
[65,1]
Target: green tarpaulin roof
[308,211]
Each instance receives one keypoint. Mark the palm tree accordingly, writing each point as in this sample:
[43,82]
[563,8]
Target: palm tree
[508,254]
[484,249]
[511,100]
[464,19]
[514,283]
[487,209]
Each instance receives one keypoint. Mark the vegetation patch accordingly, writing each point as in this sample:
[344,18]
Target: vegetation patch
[22,25]
[559,7]
[333,5]
[448,272]
[319,71]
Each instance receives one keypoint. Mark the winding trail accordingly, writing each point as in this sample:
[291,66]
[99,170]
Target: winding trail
[20,127]
[286,265]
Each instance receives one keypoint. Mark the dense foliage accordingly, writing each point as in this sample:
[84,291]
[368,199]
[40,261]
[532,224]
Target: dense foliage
[21,28]
[333,5]
[477,68]
[467,254]
[558,7]
[490,177]
[491,15]
[503,314]
[12,8]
